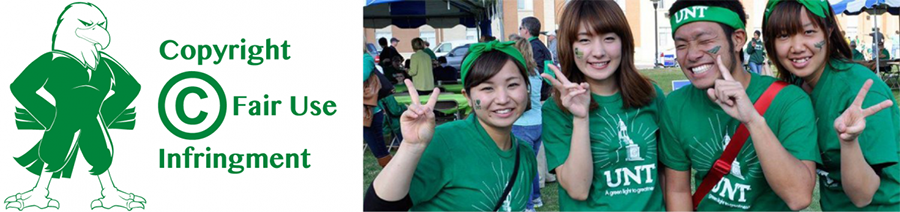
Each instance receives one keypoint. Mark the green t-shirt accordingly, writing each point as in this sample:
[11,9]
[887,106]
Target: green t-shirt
[623,144]
[836,90]
[463,170]
[695,131]
[758,54]
[858,56]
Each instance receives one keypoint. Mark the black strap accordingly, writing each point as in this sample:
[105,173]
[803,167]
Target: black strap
[512,180]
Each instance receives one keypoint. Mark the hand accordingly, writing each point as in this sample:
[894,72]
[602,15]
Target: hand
[575,97]
[417,122]
[852,122]
[731,96]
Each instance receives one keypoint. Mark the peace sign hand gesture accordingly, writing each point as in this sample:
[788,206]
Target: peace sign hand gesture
[731,96]
[417,122]
[853,121]
[575,97]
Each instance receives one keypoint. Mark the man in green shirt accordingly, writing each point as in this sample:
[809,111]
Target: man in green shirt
[857,56]
[429,51]
[757,52]
[775,168]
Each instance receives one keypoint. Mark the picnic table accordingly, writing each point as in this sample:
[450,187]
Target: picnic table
[455,88]
[462,103]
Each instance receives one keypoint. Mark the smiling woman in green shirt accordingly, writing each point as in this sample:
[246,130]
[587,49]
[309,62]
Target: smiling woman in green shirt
[858,130]
[600,127]
[474,164]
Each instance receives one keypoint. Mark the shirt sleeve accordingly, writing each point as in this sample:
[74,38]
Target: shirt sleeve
[372,202]
[556,134]
[673,151]
[433,172]
[879,141]
[796,129]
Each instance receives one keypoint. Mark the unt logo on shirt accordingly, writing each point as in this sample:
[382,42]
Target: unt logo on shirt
[690,12]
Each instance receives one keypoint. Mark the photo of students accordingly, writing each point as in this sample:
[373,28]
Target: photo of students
[474,164]
[748,137]
[600,125]
[858,128]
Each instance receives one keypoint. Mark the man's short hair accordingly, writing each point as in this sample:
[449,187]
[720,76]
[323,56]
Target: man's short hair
[382,41]
[532,24]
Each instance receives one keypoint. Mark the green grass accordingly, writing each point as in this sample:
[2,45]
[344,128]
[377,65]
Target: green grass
[549,194]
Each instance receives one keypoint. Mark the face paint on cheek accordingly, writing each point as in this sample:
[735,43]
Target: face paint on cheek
[478,104]
[579,54]
[820,44]
[714,50]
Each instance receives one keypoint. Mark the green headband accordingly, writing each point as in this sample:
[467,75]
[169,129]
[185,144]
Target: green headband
[818,7]
[706,13]
[477,49]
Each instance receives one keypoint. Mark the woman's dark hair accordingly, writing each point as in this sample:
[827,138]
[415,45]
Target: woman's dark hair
[489,64]
[785,19]
[602,17]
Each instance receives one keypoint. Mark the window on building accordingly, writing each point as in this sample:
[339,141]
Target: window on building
[526,4]
[471,34]
[428,36]
[385,33]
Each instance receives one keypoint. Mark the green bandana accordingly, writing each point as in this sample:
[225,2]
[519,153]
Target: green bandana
[706,13]
[475,51]
[818,7]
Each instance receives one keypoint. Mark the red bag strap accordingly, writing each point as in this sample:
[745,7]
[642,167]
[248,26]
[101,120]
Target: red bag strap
[723,165]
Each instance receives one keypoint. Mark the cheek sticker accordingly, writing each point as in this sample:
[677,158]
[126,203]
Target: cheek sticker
[714,50]
[478,104]
[578,53]
[820,44]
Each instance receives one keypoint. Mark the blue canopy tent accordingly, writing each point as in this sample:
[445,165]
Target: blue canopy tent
[435,13]
[875,7]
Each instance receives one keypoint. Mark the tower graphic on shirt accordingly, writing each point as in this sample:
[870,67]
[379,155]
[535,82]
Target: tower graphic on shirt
[621,139]
[735,165]
[633,151]
[494,188]
[708,146]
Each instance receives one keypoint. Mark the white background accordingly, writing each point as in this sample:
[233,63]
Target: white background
[325,38]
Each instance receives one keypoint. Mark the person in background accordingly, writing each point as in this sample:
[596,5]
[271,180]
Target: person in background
[429,51]
[857,56]
[514,37]
[387,53]
[373,116]
[420,67]
[883,53]
[443,72]
[530,29]
[551,45]
[756,50]
[528,127]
